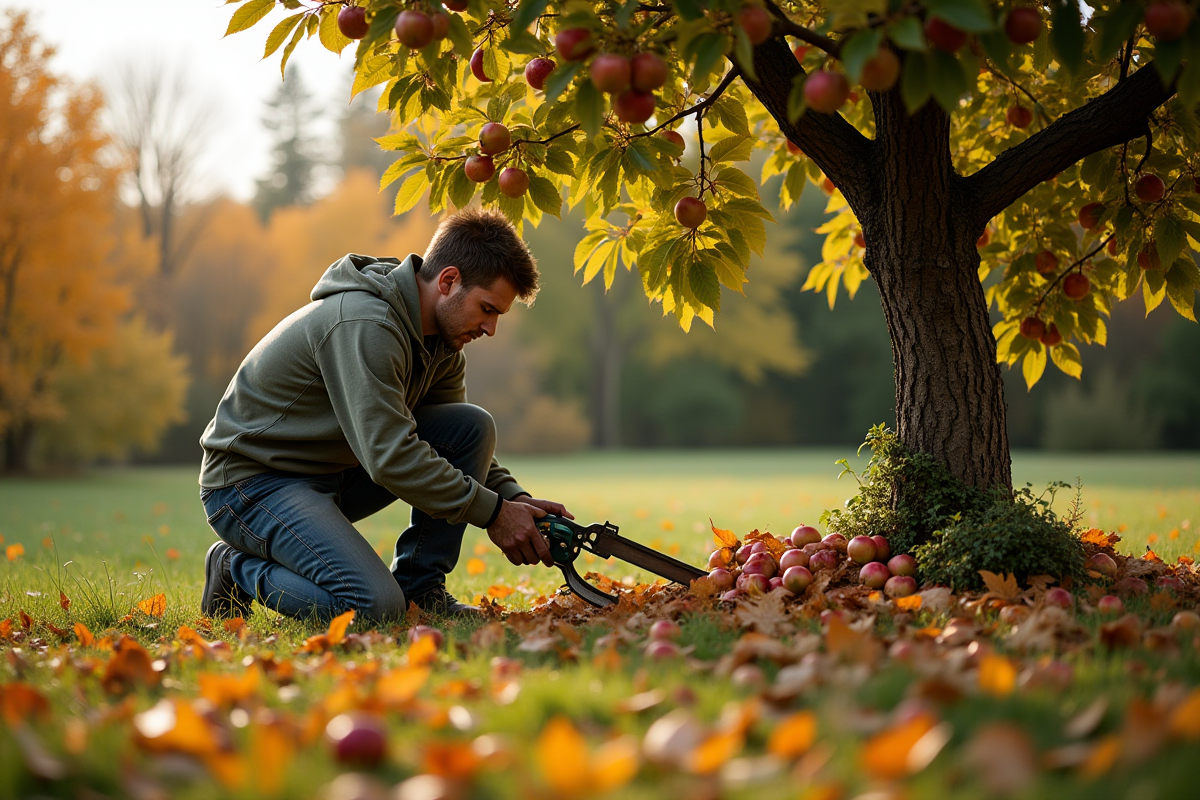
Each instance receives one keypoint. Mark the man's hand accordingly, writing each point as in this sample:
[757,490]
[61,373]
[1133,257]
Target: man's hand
[515,532]
[549,506]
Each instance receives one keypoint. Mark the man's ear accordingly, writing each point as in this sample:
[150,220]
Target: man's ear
[447,278]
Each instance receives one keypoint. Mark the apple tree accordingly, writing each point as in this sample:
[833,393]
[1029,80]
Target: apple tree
[1038,158]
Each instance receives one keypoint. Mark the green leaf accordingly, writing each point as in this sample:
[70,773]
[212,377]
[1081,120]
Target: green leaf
[560,79]
[702,280]
[287,51]
[280,32]
[1182,280]
[748,208]
[527,12]
[972,16]
[410,191]
[710,49]
[1167,57]
[907,34]
[735,148]
[1171,238]
[496,64]
[743,51]
[732,114]
[400,167]
[948,80]
[1154,289]
[525,43]
[461,189]
[738,182]
[374,71]
[858,49]
[585,247]
[999,49]
[460,35]
[1034,365]
[1066,35]
[1115,28]
[589,108]
[246,16]
[1066,357]
[915,86]
[545,195]
[331,36]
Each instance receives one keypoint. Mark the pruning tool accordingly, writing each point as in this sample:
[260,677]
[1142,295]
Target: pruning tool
[567,538]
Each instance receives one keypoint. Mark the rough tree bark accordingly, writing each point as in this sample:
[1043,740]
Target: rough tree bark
[920,220]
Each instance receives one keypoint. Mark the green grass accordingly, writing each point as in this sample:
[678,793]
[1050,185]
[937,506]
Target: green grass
[110,538]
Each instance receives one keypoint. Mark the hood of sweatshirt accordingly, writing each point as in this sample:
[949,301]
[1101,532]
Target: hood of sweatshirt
[390,279]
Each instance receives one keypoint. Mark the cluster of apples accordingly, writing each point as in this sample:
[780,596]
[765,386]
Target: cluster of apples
[494,139]
[755,570]
[414,28]
[631,81]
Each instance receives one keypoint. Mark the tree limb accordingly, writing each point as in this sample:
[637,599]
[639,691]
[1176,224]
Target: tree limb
[699,107]
[1114,117]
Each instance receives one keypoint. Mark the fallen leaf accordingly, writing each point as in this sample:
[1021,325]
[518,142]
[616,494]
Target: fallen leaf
[1185,720]
[614,764]
[997,675]
[793,736]
[450,759]
[1005,588]
[85,637]
[20,702]
[1100,538]
[399,686]
[843,641]
[1003,757]
[562,756]
[229,690]
[766,614]
[714,751]
[128,668]
[476,566]
[174,726]
[337,627]
[905,748]
[64,601]
[423,651]
[911,603]
[153,606]
[272,750]
[14,551]
[1102,757]
[722,537]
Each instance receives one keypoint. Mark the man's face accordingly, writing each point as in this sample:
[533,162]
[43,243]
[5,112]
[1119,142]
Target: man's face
[463,315]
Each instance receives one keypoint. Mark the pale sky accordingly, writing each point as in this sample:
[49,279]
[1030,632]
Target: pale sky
[91,36]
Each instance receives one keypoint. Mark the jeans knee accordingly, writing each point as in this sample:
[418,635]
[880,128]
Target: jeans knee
[481,422]
[384,603]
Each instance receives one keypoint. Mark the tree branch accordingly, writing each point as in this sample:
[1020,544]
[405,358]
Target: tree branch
[1114,117]
[699,107]
[786,27]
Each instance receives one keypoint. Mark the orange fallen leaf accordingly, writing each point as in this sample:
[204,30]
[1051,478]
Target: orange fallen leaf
[26,620]
[423,651]
[234,625]
[317,643]
[562,755]
[715,751]
[14,551]
[997,675]
[271,753]
[794,736]
[1004,587]
[615,763]
[85,637]
[476,566]
[229,690]
[910,603]
[1102,757]
[128,667]
[20,702]
[499,592]
[454,760]
[5,628]
[722,537]
[337,627]
[153,606]
[1098,537]
[398,686]
[174,726]
[904,748]
[1185,720]
[63,601]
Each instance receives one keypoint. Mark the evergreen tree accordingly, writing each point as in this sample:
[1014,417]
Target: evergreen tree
[289,117]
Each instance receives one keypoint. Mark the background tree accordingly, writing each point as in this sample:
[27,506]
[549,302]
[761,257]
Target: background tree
[927,159]
[294,155]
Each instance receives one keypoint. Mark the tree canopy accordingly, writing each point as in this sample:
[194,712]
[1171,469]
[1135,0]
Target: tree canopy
[1062,137]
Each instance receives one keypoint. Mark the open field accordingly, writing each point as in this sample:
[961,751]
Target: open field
[835,694]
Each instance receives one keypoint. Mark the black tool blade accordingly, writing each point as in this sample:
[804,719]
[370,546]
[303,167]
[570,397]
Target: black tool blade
[605,543]
[584,589]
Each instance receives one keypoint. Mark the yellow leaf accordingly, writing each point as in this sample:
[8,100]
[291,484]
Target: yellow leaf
[401,685]
[723,537]
[14,551]
[476,566]
[1185,721]
[910,603]
[272,752]
[885,756]
[153,606]
[174,726]
[714,751]
[1006,587]
[794,736]
[562,755]
[997,675]
[423,651]
[227,690]
[1102,757]
[615,763]
[85,637]
[337,627]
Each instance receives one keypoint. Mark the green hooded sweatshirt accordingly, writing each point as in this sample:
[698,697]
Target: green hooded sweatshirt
[333,386]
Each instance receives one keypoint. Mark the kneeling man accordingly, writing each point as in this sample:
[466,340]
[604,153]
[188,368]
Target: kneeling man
[356,400]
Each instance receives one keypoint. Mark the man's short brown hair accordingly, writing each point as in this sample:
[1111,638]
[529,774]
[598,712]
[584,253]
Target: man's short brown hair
[484,246]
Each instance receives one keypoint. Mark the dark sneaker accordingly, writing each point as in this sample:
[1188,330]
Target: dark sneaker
[440,601]
[222,597]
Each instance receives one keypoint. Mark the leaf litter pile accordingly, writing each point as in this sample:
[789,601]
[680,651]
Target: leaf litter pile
[834,690]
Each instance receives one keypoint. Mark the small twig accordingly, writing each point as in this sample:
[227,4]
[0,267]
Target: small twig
[699,107]
[548,139]
[1071,269]
[1016,85]
[786,27]
[1127,58]
[1149,147]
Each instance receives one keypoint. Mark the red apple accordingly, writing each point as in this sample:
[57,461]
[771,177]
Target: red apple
[722,579]
[477,66]
[574,44]
[455,5]
[1019,116]
[824,559]
[944,36]
[874,575]
[792,558]
[358,738]
[756,22]
[1052,336]
[633,106]
[661,650]
[1110,604]
[1131,587]
[421,631]
[797,579]
[610,72]
[1168,20]
[352,22]
[861,549]
[414,29]
[1023,25]
[1089,215]
[1149,188]
[1148,257]
[1046,262]
[690,212]
[775,583]
[881,71]
[883,549]
[441,26]
[480,169]
[859,241]
[1186,621]
[1104,564]
[675,138]
[514,182]
[800,51]
[665,629]
[794,148]
[1170,583]
[984,238]
[837,540]
[1076,286]
[743,553]
[903,565]
[899,586]
[805,534]
[536,72]
[827,186]
[647,72]
[1058,596]
[761,564]
[753,583]
[732,596]
[494,138]
[826,91]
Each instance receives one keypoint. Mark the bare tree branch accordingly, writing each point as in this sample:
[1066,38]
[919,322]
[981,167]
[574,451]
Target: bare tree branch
[1118,115]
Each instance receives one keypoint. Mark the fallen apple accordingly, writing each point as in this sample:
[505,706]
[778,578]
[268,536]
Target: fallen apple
[903,565]
[1102,563]
[1060,597]
[805,534]
[753,583]
[899,586]
[824,559]
[861,549]
[793,558]
[722,579]
[874,575]
[421,631]
[797,579]
[883,550]
[357,738]
[1131,587]
[665,629]
[661,650]
[837,540]
[1110,604]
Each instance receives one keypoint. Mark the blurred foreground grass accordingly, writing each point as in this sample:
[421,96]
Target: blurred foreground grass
[144,528]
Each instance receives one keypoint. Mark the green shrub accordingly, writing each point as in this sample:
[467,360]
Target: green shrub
[1018,534]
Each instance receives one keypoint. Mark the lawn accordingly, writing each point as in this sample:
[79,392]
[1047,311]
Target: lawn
[556,700]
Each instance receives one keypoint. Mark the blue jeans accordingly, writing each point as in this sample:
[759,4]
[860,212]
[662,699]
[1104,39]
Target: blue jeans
[298,553]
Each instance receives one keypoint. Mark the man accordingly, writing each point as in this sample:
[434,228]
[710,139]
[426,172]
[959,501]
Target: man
[356,400]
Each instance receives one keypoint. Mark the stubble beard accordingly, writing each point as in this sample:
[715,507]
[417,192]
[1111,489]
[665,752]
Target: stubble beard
[449,319]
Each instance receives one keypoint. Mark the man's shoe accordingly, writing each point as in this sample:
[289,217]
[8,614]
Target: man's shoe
[222,597]
[439,601]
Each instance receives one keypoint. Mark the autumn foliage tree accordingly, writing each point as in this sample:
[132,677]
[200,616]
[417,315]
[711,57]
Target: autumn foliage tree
[1012,155]
[65,271]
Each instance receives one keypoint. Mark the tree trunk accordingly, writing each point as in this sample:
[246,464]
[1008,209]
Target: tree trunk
[18,448]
